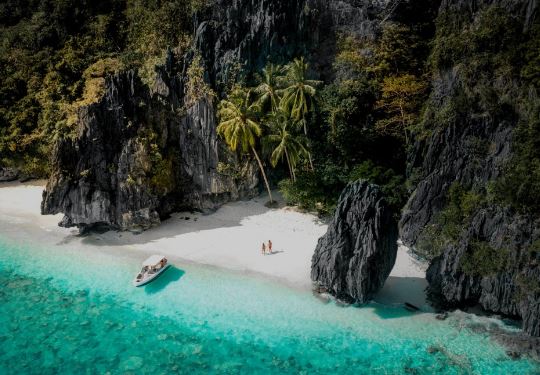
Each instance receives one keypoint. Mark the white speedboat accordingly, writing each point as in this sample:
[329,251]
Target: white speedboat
[152,268]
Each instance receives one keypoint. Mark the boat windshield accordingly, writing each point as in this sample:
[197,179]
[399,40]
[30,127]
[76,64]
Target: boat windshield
[155,260]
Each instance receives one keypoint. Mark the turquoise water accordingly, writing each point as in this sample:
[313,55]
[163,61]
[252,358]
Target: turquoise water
[73,310]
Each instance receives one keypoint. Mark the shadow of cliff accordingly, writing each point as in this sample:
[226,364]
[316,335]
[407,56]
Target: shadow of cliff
[169,276]
[390,300]
[392,312]
[229,215]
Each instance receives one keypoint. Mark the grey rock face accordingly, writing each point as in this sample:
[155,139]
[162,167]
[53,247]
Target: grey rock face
[8,174]
[526,8]
[472,153]
[469,154]
[245,34]
[512,291]
[355,256]
[139,154]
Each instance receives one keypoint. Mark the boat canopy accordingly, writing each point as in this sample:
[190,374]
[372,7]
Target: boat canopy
[153,260]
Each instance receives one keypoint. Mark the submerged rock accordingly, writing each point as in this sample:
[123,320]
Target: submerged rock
[355,256]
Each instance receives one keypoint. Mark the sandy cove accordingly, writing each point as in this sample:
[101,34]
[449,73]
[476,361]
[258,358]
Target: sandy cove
[229,238]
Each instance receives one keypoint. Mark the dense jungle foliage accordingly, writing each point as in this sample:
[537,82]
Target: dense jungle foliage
[496,61]
[316,136]
[54,57]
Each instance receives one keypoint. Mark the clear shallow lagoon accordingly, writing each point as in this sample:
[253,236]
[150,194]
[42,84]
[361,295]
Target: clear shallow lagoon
[72,310]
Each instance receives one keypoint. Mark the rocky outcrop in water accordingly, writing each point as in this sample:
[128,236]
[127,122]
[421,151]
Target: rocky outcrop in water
[355,256]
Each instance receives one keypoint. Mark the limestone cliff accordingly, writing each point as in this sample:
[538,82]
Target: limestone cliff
[355,256]
[135,159]
[143,151]
[483,250]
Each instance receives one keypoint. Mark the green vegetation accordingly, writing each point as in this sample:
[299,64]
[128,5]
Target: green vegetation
[519,187]
[299,94]
[197,88]
[269,85]
[281,142]
[483,260]
[359,122]
[285,97]
[527,286]
[239,126]
[450,223]
[487,57]
[54,56]
[392,185]
[499,76]
[401,97]
[288,103]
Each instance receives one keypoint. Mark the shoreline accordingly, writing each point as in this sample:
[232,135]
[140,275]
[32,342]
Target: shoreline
[229,238]
[20,220]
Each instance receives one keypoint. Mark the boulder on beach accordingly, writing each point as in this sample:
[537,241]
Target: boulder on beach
[355,256]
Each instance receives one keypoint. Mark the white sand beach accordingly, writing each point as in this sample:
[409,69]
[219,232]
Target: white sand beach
[230,238]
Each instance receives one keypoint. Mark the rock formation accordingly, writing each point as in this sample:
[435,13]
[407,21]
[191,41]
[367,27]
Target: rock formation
[8,174]
[138,153]
[355,256]
[491,260]
[134,159]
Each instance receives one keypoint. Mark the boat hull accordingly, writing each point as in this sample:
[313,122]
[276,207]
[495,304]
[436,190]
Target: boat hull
[150,279]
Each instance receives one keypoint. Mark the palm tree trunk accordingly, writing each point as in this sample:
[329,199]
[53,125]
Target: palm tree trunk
[309,153]
[291,171]
[310,161]
[262,172]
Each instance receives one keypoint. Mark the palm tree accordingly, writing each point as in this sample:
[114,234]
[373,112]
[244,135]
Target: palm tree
[270,84]
[282,143]
[239,127]
[298,96]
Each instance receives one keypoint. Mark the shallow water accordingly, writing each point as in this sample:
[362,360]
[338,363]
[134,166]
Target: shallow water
[73,310]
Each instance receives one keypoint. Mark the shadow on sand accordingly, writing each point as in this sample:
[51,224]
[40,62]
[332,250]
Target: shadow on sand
[169,276]
[391,299]
[229,215]
[275,252]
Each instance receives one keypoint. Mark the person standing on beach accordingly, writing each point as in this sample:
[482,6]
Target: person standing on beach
[263,249]
[270,246]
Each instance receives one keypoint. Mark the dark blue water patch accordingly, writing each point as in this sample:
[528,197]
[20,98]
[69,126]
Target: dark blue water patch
[44,330]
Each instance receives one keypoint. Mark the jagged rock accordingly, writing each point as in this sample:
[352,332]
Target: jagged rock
[248,34]
[108,173]
[9,174]
[134,160]
[355,256]
[472,152]
[506,291]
